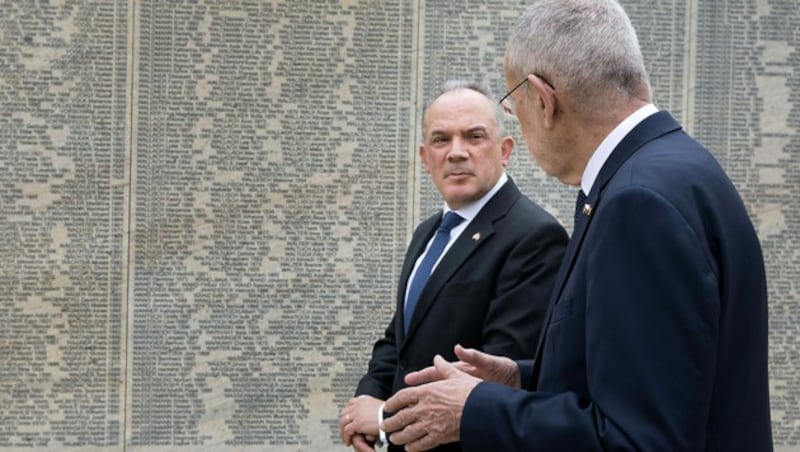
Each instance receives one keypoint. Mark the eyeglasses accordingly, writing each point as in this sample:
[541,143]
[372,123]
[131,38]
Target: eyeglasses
[508,102]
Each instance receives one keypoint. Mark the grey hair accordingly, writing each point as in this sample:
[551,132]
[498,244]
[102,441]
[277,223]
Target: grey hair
[454,85]
[586,48]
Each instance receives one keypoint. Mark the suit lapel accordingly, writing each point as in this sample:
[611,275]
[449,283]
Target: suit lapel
[415,249]
[652,127]
[477,232]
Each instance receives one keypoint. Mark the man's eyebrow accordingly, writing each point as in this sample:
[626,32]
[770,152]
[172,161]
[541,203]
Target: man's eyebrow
[439,132]
[474,129]
[447,132]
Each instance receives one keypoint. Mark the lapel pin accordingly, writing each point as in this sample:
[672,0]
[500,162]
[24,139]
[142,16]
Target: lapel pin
[476,236]
[587,210]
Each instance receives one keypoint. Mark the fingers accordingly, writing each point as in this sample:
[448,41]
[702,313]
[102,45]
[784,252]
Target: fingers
[420,444]
[347,424]
[471,356]
[423,376]
[434,373]
[361,444]
[433,409]
[403,398]
[445,369]
[359,417]
[411,434]
[345,433]
[352,436]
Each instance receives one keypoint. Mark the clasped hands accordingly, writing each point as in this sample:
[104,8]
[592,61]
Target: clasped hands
[358,423]
[428,413]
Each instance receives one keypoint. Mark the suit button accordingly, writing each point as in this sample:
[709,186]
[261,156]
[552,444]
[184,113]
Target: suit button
[402,364]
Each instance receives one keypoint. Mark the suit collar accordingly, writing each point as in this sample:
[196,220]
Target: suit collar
[477,232]
[607,146]
[649,129]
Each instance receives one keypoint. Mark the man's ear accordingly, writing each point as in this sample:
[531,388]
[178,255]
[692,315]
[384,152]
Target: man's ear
[423,157]
[546,98]
[506,146]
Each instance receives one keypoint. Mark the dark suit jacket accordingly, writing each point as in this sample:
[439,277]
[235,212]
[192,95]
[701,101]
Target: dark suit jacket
[490,291]
[657,336]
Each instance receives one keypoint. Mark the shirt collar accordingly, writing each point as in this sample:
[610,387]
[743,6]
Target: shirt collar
[471,211]
[608,145]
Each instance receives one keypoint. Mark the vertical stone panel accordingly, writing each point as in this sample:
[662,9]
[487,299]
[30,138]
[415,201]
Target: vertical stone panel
[63,204]
[270,214]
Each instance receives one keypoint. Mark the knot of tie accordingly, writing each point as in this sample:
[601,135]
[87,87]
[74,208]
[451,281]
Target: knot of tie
[450,220]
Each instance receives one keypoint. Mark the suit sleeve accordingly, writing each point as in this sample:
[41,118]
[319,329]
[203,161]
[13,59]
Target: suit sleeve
[524,284]
[651,326]
[382,365]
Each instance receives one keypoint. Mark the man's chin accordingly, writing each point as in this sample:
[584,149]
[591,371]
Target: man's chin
[456,200]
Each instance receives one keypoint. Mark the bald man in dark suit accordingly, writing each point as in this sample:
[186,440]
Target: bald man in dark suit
[489,288]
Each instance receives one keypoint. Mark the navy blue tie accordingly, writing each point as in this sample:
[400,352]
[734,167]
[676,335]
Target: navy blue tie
[450,220]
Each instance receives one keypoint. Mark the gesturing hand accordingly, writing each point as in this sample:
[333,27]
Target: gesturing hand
[429,415]
[497,369]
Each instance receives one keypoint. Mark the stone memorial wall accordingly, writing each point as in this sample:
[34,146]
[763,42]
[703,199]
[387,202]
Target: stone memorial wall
[204,205]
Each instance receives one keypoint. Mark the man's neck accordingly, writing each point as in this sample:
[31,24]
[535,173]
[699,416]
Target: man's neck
[589,132]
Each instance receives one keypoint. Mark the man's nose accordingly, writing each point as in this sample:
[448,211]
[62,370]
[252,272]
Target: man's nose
[459,150]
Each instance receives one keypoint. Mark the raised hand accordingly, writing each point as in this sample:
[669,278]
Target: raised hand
[429,415]
[487,367]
